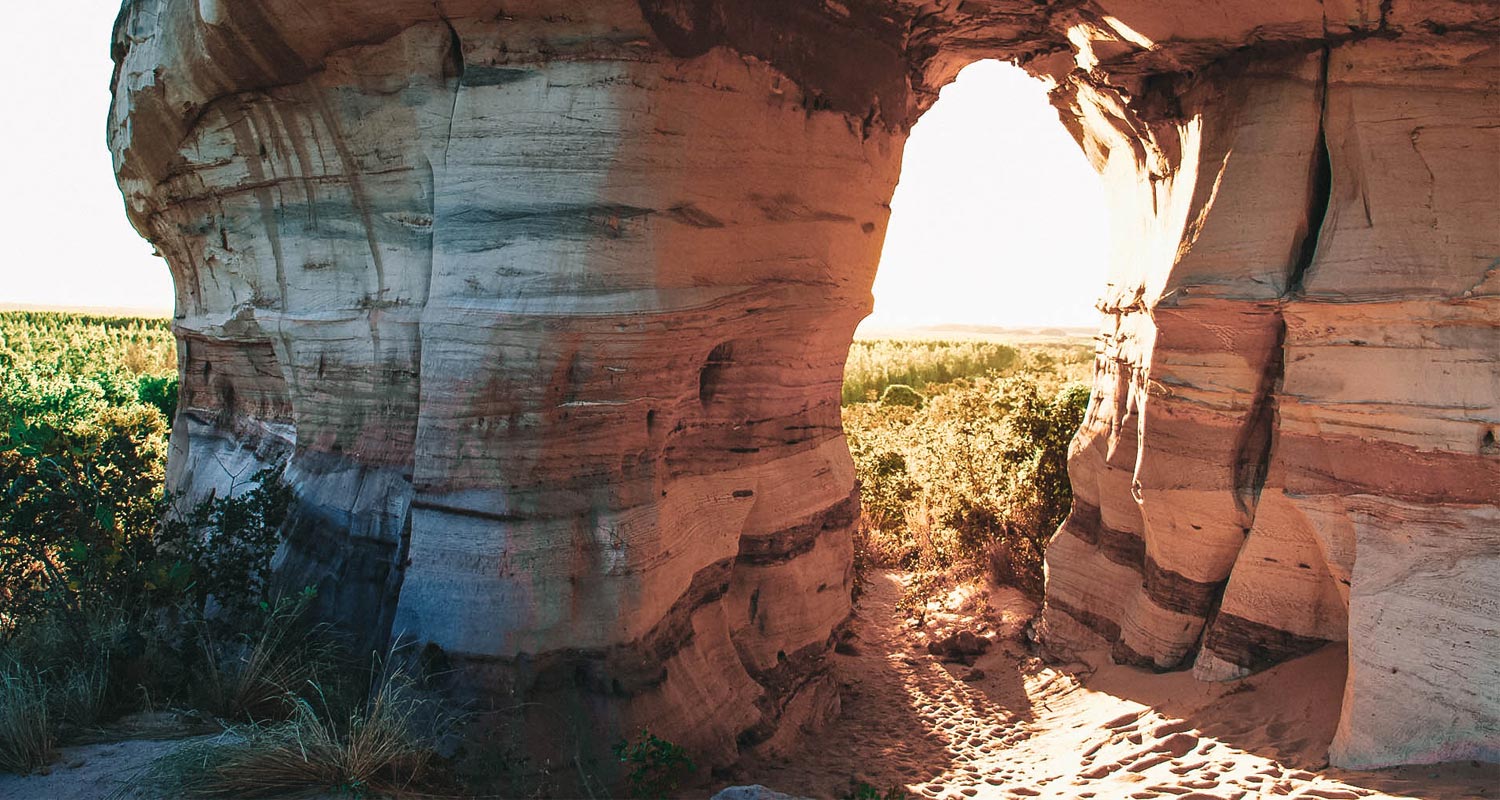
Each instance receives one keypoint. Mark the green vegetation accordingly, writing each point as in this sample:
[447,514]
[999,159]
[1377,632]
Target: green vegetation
[972,477]
[26,730]
[875,364]
[655,767]
[83,438]
[117,597]
[860,790]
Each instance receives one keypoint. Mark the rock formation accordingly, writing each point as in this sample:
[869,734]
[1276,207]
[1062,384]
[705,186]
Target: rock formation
[545,304]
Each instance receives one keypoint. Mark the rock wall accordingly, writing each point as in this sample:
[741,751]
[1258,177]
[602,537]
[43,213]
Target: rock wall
[1299,364]
[544,304]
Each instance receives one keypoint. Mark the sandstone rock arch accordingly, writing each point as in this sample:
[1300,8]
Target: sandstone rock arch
[546,302]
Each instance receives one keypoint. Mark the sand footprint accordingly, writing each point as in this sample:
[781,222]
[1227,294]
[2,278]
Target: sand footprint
[1123,721]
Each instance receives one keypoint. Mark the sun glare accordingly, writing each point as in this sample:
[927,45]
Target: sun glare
[998,220]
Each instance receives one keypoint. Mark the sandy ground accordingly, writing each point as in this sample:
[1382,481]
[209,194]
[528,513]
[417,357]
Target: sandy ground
[1090,729]
[91,772]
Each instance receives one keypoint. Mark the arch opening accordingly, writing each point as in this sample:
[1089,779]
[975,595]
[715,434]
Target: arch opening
[998,219]
[965,385]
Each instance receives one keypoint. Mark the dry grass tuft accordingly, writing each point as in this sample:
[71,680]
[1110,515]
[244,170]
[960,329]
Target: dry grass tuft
[385,746]
[26,725]
[258,678]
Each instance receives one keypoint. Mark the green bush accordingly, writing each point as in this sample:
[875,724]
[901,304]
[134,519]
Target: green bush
[899,394]
[82,495]
[113,594]
[159,392]
[975,480]
[656,767]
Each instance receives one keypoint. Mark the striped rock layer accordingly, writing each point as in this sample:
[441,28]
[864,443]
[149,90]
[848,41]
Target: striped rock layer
[544,305]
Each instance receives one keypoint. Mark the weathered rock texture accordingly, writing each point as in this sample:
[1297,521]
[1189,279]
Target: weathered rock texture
[547,301]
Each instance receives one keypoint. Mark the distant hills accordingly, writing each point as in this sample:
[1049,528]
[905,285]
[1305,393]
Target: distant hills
[961,331]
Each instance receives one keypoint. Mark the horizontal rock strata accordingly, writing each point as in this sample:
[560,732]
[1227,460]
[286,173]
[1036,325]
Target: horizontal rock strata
[544,307]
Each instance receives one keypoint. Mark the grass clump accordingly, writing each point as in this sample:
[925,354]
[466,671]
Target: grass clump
[26,726]
[384,744]
[254,676]
[860,790]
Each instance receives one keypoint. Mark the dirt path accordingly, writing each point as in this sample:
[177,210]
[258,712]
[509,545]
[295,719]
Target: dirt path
[1087,730]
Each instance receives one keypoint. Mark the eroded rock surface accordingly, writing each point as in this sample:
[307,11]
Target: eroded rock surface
[545,303]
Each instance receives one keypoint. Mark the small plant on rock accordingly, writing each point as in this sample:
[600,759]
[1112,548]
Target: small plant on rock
[860,790]
[656,767]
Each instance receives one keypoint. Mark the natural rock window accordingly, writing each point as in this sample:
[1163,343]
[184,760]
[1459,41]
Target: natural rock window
[1298,332]
[998,218]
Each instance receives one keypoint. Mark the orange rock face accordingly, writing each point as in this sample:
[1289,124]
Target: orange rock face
[545,305]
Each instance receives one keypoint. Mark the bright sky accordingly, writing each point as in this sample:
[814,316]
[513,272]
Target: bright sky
[66,240]
[998,219]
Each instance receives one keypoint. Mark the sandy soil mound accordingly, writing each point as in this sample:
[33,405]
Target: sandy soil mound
[1011,725]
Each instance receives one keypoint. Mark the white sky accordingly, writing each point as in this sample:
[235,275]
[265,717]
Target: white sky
[66,240]
[998,219]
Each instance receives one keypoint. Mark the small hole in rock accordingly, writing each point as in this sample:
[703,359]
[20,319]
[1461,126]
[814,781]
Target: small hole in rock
[711,376]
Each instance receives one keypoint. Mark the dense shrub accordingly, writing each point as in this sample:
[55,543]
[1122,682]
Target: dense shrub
[974,480]
[82,459]
[159,392]
[111,592]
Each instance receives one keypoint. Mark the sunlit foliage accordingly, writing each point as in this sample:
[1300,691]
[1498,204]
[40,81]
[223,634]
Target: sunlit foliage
[109,587]
[84,414]
[973,478]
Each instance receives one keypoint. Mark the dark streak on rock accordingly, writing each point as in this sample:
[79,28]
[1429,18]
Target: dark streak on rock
[476,75]
[473,513]
[787,544]
[1098,623]
[1122,547]
[1255,645]
[792,673]
[621,670]
[689,214]
[1172,591]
